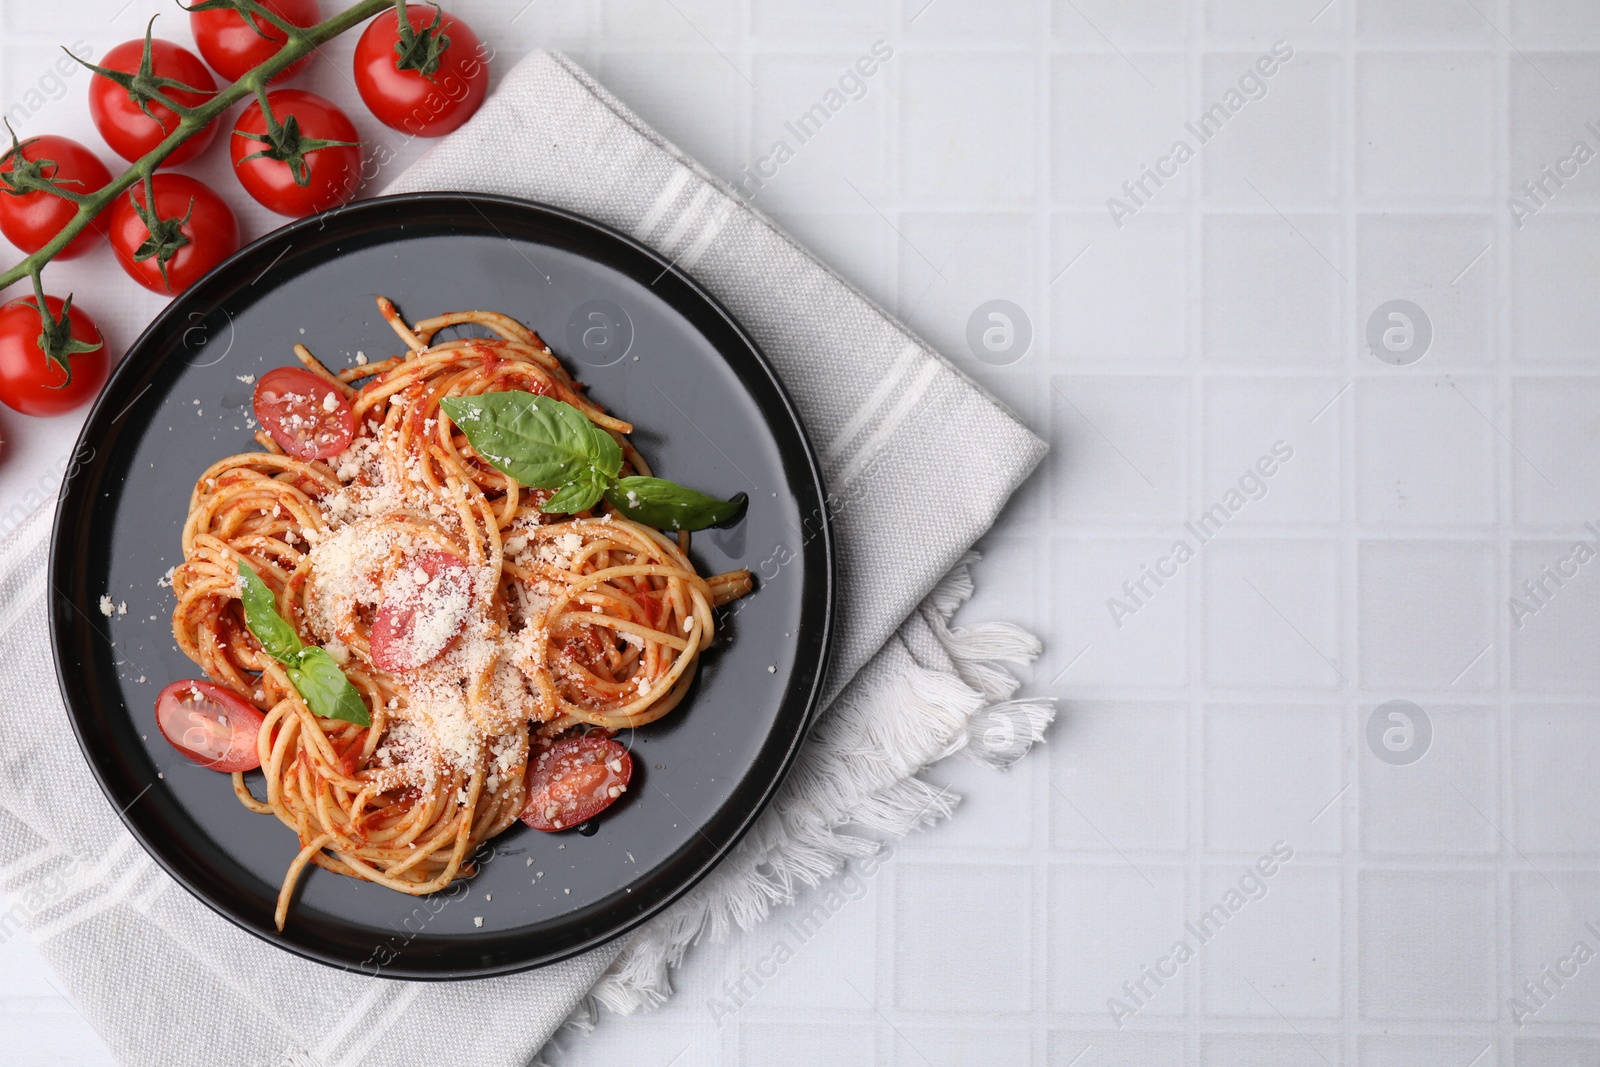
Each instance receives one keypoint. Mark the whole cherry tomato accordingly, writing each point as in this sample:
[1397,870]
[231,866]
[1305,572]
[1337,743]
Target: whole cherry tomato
[30,220]
[195,231]
[33,383]
[235,47]
[115,107]
[425,80]
[313,141]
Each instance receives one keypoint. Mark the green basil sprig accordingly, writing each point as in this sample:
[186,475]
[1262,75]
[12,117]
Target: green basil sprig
[315,674]
[546,443]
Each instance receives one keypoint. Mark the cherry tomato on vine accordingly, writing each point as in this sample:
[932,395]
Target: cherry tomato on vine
[194,230]
[310,161]
[129,74]
[30,220]
[32,382]
[425,80]
[235,47]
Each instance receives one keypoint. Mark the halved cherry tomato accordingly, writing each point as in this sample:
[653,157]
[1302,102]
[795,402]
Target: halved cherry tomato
[211,725]
[211,232]
[31,220]
[421,614]
[304,414]
[235,47]
[574,780]
[425,91]
[127,129]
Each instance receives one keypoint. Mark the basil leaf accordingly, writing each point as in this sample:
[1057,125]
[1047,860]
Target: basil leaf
[277,637]
[325,689]
[315,674]
[577,496]
[668,505]
[542,442]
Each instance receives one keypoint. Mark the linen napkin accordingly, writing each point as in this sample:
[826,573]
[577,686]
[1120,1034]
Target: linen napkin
[918,462]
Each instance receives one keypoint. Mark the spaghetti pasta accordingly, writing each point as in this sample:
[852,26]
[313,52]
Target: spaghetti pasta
[502,628]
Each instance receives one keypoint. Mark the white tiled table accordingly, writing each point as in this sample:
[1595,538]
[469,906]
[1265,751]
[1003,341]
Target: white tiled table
[1228,712]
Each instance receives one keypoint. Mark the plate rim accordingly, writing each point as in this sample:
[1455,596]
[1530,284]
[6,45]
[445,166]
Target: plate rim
[136,358]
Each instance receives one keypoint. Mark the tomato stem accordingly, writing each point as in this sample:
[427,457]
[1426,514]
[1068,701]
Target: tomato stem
[27,175]
[284,142]
[55,335]
[144,86]
[419,50]
[299,44]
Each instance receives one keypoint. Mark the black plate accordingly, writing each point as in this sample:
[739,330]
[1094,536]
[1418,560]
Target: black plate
[710,413]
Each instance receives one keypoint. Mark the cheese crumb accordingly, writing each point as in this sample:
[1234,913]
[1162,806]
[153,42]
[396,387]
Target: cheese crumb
[248,379]
[477,920]
[106,607]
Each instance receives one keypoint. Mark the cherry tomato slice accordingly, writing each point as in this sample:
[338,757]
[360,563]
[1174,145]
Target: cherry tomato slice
[574,780]
[421,613]
[304,414]
[211,725]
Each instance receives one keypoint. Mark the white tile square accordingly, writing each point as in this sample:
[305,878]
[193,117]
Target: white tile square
[683,22]
[1108,122]
[1530,1051]
[1443,803]
[1445,918]
[967,128]
[786,20]
[697,104]
[1558,20]
[1271,612]
[951,265]
[1271,773]
[45,90]
[1420,22]
[1268,20]
[1553,790]
[788,1044]
[1284,935]
[1281,138]
[1424,123]
[1554,316]
[815,122]
[1550,113]
[1425,450]
[926,1046]
[1111,1048]
[1096,641]
[1108,745]
[953,948]
[1555,471]
[1398,1050]
[1245,420]
[988,21]
[1106,925]
[1123,299]
[1304,1049]
[1553,627]
[1121,444]
[1271,290]
[1552,911]
[1426,615]
[1446,265]
[808,954]
[1153,22]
